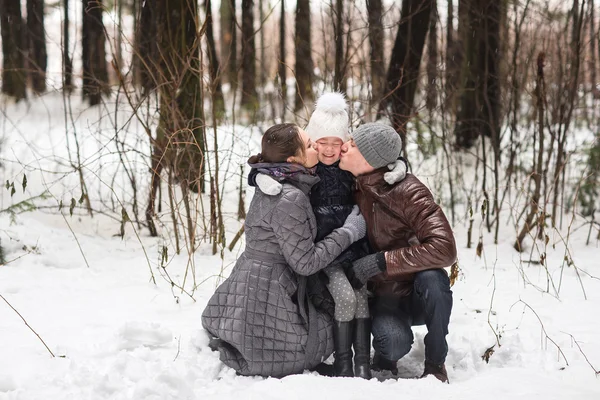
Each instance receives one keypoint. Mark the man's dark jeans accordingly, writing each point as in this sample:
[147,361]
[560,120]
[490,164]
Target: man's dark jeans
[430,303]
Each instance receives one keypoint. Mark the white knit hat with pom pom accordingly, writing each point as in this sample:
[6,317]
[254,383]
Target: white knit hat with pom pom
[330,118]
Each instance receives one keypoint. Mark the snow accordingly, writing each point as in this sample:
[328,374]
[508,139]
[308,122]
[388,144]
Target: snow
[117,335]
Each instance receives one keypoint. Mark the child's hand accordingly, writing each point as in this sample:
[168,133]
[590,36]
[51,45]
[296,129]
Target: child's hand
[397,173]
[268,185]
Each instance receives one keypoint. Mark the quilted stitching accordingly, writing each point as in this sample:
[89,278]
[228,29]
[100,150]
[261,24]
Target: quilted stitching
[252,311]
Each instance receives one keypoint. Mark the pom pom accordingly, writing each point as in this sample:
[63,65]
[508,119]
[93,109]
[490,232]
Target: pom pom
[332,102]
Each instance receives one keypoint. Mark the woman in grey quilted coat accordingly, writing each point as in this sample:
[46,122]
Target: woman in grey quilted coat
[260,316]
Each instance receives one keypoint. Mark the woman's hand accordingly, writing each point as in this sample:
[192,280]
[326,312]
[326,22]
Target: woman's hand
[355,225]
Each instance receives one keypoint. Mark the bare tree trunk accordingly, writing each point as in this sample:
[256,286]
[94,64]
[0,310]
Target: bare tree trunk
[136,64]
[119,44]
[515,96]
[213,64]
[348,52]
[449,46]
[95,72]
[234,63]
[38,57]
[403,72]
[155,171]
[339,46]
[566,109]
[67,63]
[592,63]
[540,94]
[377,62]
[282,65]
[146,46]
[304,63]
[455,69]
[14,78]
[263,61]
[2,259]
[493,54]
[229,42]
[575,18]
[432,61]
[189,96]
[480,100]
[467,127]
[249,98]
[179,144]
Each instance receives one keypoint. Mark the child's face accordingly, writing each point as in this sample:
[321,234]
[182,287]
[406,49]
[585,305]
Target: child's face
[328,149]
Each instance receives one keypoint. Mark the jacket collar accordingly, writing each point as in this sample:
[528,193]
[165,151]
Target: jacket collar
[304,182]
[373,186]
[334,165]
[371,180]
[297,175]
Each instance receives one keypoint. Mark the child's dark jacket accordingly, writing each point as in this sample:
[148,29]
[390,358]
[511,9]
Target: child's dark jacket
[332,200]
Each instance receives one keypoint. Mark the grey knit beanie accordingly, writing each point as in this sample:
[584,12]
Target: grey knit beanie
[379,144]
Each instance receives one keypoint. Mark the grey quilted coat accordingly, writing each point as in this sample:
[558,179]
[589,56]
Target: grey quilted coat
[264,329]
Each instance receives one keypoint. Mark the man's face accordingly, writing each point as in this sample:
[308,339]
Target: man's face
[352,160]
[329,149]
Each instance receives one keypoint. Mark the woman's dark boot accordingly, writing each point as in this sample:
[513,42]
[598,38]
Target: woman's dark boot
[324,369]
[362,348]
[342,341]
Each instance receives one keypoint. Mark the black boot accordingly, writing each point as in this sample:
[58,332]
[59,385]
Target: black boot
[324,369]
[342,341]
[362,348]
[214,344]
[383,364]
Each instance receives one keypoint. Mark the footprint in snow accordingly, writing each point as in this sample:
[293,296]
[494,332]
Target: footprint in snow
[7,383]
[150,334]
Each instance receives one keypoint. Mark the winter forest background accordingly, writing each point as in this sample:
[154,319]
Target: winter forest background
[125,127]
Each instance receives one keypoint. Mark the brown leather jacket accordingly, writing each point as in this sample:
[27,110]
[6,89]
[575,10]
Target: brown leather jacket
[394,214]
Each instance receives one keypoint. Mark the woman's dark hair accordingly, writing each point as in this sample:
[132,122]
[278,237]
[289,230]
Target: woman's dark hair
[278,143]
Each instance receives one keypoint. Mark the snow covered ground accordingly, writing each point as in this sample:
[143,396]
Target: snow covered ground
[116,335]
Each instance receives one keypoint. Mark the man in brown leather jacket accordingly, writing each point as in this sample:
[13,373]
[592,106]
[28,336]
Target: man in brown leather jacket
[408,279]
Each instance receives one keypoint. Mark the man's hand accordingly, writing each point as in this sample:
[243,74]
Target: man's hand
[361,270]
